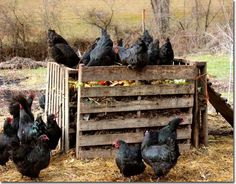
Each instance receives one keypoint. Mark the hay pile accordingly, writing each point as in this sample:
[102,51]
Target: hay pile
[212,164]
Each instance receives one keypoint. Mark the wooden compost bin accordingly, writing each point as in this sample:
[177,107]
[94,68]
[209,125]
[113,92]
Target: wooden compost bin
[131,110]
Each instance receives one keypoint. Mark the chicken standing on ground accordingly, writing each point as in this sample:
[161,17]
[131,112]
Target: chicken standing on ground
[166,53]
[31,158]
[7,138]
[61,51]
[128,159]
[160,157]
[54,132]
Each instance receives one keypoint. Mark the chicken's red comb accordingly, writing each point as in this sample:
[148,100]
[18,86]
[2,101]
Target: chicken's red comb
[9,119]
[32,95]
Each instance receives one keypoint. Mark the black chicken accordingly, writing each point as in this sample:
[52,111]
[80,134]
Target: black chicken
[160,157]
[136,56]
[102,54]
[166,53]
[86,56]
[31,158]
[128,159]
[7,138]
[42,101]
[147,38]
[153,53]
[30,99]
[60,50]
[40,126]
[55,38]
[169,130]
[54,132]
[27,129]
[14,108]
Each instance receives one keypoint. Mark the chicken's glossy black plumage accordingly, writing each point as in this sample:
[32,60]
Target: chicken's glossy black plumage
[31,158]
[128,159]
[153,53]
[54,132]
[64,54]
[61,51]
[166,53]
[30,99]
[27,129]
[147,38]
[54,38]
[86,56]
[136,56]
[160,157]
[14,107]
[102,54]
[7,138]
[42,101]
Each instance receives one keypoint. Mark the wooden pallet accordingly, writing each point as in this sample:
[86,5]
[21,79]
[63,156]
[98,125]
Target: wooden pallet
[94,137]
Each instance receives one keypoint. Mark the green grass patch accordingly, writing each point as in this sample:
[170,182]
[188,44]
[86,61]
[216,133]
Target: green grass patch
[218,66]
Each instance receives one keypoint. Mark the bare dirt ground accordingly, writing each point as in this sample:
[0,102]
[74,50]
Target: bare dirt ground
[206,164]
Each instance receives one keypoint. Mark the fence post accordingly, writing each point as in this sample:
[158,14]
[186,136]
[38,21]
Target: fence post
[78,109]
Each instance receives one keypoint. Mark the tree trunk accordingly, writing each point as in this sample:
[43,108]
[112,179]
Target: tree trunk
[161,13]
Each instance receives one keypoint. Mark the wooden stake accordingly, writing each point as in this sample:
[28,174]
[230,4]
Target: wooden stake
[143,20]
[78,110]
[204,112]
[196,115]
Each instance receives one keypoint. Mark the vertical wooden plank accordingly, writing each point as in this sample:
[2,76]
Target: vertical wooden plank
[189,126]
[195,124]
[59,102]
[66,110]
[47,90]
[204,112]
[63,109]
[77,149]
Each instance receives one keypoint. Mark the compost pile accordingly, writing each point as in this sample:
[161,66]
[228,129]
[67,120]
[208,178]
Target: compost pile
[22,63]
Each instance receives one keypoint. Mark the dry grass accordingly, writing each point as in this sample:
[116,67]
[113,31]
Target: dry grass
[212,164]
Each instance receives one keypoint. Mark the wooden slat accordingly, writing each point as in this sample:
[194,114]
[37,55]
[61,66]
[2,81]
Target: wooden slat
[60,102]
[162,103]
[63,107]
[148,73]
[66,111]
[131,123]
[110,153]
[96,140]
[160,89]
[47,90]
[204,112]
